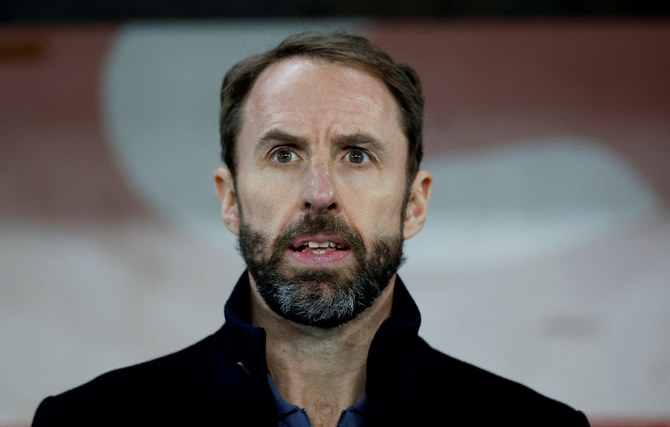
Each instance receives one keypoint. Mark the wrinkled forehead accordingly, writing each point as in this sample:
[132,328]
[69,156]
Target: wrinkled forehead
[312,88]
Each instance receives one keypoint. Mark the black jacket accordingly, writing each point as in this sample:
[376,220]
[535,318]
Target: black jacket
[222,381]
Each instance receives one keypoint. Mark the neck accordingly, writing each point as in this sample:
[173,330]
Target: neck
[320,370]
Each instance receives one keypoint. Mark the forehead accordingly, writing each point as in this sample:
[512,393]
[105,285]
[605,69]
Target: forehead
[304,92]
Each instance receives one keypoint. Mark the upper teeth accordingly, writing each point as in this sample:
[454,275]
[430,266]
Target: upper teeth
[313,244]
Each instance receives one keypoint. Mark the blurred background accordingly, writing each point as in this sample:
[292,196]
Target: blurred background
[546,255]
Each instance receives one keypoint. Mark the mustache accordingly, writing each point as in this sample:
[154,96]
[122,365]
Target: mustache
[323,223]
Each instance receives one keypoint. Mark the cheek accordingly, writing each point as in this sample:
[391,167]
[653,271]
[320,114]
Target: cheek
[264,205]
[377,211]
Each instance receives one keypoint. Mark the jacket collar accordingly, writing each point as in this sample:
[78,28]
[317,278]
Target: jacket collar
[392,348]
[245,342]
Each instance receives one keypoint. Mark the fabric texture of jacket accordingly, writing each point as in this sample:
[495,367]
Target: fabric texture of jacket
[222,381]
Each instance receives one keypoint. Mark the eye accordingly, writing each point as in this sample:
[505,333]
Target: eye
[284,155]
[357,156]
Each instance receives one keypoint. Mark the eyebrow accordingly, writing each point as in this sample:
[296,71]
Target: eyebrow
[358,139]
[275,136]
[361,139]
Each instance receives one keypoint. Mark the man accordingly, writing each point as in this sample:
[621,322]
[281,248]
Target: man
[321,138]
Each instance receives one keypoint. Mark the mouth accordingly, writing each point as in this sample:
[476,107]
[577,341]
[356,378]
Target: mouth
[318,248]
[319,245]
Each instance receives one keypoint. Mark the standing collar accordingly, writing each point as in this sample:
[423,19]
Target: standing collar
[392,346]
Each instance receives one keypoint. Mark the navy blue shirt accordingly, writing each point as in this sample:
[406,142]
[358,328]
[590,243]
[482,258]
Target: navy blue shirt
[294,416]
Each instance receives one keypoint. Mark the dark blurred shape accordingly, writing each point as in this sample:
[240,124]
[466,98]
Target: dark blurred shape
[21,51]
[82,11]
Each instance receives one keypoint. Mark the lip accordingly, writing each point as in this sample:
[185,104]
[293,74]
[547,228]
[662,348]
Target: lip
[339,241]
[332,257]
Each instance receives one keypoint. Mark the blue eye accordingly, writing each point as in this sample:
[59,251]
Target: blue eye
[284,156]
[358,156]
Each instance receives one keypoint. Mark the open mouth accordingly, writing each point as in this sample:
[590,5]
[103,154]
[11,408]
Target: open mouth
[319,247]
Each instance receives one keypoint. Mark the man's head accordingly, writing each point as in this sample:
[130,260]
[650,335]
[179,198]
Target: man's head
[320,148]
[339,47]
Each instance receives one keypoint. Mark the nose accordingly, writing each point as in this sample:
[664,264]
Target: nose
[319,195]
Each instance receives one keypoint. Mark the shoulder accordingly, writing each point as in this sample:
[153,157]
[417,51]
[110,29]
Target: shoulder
[482,393]
[149,389]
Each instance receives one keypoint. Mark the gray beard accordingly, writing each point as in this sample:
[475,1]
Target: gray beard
[320,297]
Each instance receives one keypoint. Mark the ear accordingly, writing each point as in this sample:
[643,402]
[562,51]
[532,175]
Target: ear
[225,191]
[417,204]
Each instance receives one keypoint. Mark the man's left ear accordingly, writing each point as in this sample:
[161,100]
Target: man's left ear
[417,204]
